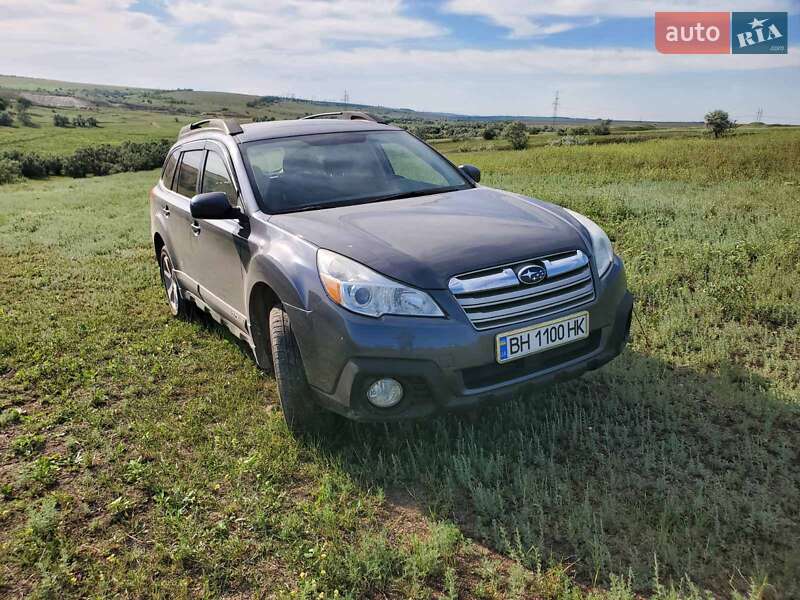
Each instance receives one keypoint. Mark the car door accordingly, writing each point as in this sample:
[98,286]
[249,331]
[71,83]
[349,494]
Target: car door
[221,246]
[183,187]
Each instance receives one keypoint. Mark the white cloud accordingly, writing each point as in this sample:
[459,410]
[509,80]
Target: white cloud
[374,49]
[524,18]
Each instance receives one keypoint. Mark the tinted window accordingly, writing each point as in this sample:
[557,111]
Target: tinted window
[216,179]
[186,181]
[317,171]
[169,169]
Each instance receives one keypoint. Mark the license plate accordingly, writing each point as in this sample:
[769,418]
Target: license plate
[523,342]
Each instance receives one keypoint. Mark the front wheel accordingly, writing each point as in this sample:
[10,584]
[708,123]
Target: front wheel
[302,414]
[178,305]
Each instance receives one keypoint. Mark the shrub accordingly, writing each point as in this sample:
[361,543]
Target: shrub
[94,160]
[489,133]
[60,120]
[6,120]
[601,128]
[35,165]
[517,135]
[719,123]
[3,103]
[567,140]
[9,170]
[24,118]
[106,159]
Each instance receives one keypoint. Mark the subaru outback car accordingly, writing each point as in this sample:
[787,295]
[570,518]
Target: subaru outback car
[377,279]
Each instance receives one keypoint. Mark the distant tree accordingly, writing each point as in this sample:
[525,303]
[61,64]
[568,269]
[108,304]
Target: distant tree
[60,120]
[79,121]
[517,134]
[719,123]
[489,133]
[601,128]
[91,122]
[23,116]
[6,120]
[3,103]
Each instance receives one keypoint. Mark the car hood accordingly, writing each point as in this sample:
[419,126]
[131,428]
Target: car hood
[426,240]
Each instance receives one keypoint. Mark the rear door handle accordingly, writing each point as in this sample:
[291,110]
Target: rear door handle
[165,210]
[195,228]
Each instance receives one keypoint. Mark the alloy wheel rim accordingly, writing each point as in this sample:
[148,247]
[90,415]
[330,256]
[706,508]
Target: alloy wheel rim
[170,283]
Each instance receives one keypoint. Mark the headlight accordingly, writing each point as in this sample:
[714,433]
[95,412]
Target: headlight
[362,290]
[601,245]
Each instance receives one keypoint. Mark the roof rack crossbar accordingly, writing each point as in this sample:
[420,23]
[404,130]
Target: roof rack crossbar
[229,126]
[349,115]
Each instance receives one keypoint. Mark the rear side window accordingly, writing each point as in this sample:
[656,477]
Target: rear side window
[186,181]
[216,178]
[169,169]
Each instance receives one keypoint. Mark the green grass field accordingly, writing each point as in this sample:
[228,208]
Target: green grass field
[116,126]
[142,456]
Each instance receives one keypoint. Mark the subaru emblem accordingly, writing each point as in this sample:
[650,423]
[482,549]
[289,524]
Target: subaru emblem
[532,274]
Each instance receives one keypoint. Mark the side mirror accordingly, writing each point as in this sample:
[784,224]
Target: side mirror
[471,171]
[211,205]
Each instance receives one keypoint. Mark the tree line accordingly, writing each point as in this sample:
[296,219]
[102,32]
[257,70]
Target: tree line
[103,159]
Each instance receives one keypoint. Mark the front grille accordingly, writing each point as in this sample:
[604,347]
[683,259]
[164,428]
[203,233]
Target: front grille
[496,297]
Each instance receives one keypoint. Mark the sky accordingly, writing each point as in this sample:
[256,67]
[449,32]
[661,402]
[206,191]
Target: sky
[481,57]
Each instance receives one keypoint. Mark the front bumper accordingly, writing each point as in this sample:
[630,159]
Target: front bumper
[444,364]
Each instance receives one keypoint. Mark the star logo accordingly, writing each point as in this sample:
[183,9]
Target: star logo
[757,23]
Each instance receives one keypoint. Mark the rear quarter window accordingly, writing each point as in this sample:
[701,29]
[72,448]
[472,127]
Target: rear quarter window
[169,169]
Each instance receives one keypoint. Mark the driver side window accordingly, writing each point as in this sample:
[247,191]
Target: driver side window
[216,178]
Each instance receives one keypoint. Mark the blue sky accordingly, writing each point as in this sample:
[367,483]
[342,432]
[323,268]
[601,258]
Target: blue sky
[468,56]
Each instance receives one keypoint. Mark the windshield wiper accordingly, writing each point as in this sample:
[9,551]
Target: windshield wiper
[416,193]
[398,196]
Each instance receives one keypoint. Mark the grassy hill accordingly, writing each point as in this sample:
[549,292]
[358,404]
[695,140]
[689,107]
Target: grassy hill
[193,102]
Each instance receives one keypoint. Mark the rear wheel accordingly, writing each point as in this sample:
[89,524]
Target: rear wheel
[302,414]
[177,304]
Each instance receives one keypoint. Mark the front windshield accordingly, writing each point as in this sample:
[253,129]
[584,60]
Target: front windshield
[331,169]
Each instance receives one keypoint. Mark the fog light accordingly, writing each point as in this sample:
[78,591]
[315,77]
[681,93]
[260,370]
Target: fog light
[385,393]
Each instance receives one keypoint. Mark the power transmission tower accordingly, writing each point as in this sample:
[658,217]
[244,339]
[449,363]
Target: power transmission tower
[555,111]
[346,98]
[759,115]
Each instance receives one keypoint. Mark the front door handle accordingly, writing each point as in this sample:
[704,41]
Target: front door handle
[195,229]
[165,210]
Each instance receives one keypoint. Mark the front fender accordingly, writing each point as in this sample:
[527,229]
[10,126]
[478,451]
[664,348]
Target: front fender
[288,265]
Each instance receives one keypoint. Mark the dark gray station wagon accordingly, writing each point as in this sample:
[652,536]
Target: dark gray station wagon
[376,278]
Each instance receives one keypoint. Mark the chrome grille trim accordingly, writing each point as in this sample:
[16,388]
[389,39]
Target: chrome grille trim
[495,297]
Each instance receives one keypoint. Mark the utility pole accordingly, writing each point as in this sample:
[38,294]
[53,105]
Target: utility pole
[759,115]
[555,111]
[346,98]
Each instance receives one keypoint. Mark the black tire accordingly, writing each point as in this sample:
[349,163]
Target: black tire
[301,413]
[178,305]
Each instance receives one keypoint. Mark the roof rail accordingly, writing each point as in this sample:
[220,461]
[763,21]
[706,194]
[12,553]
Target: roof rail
[229,126]
[348,115]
